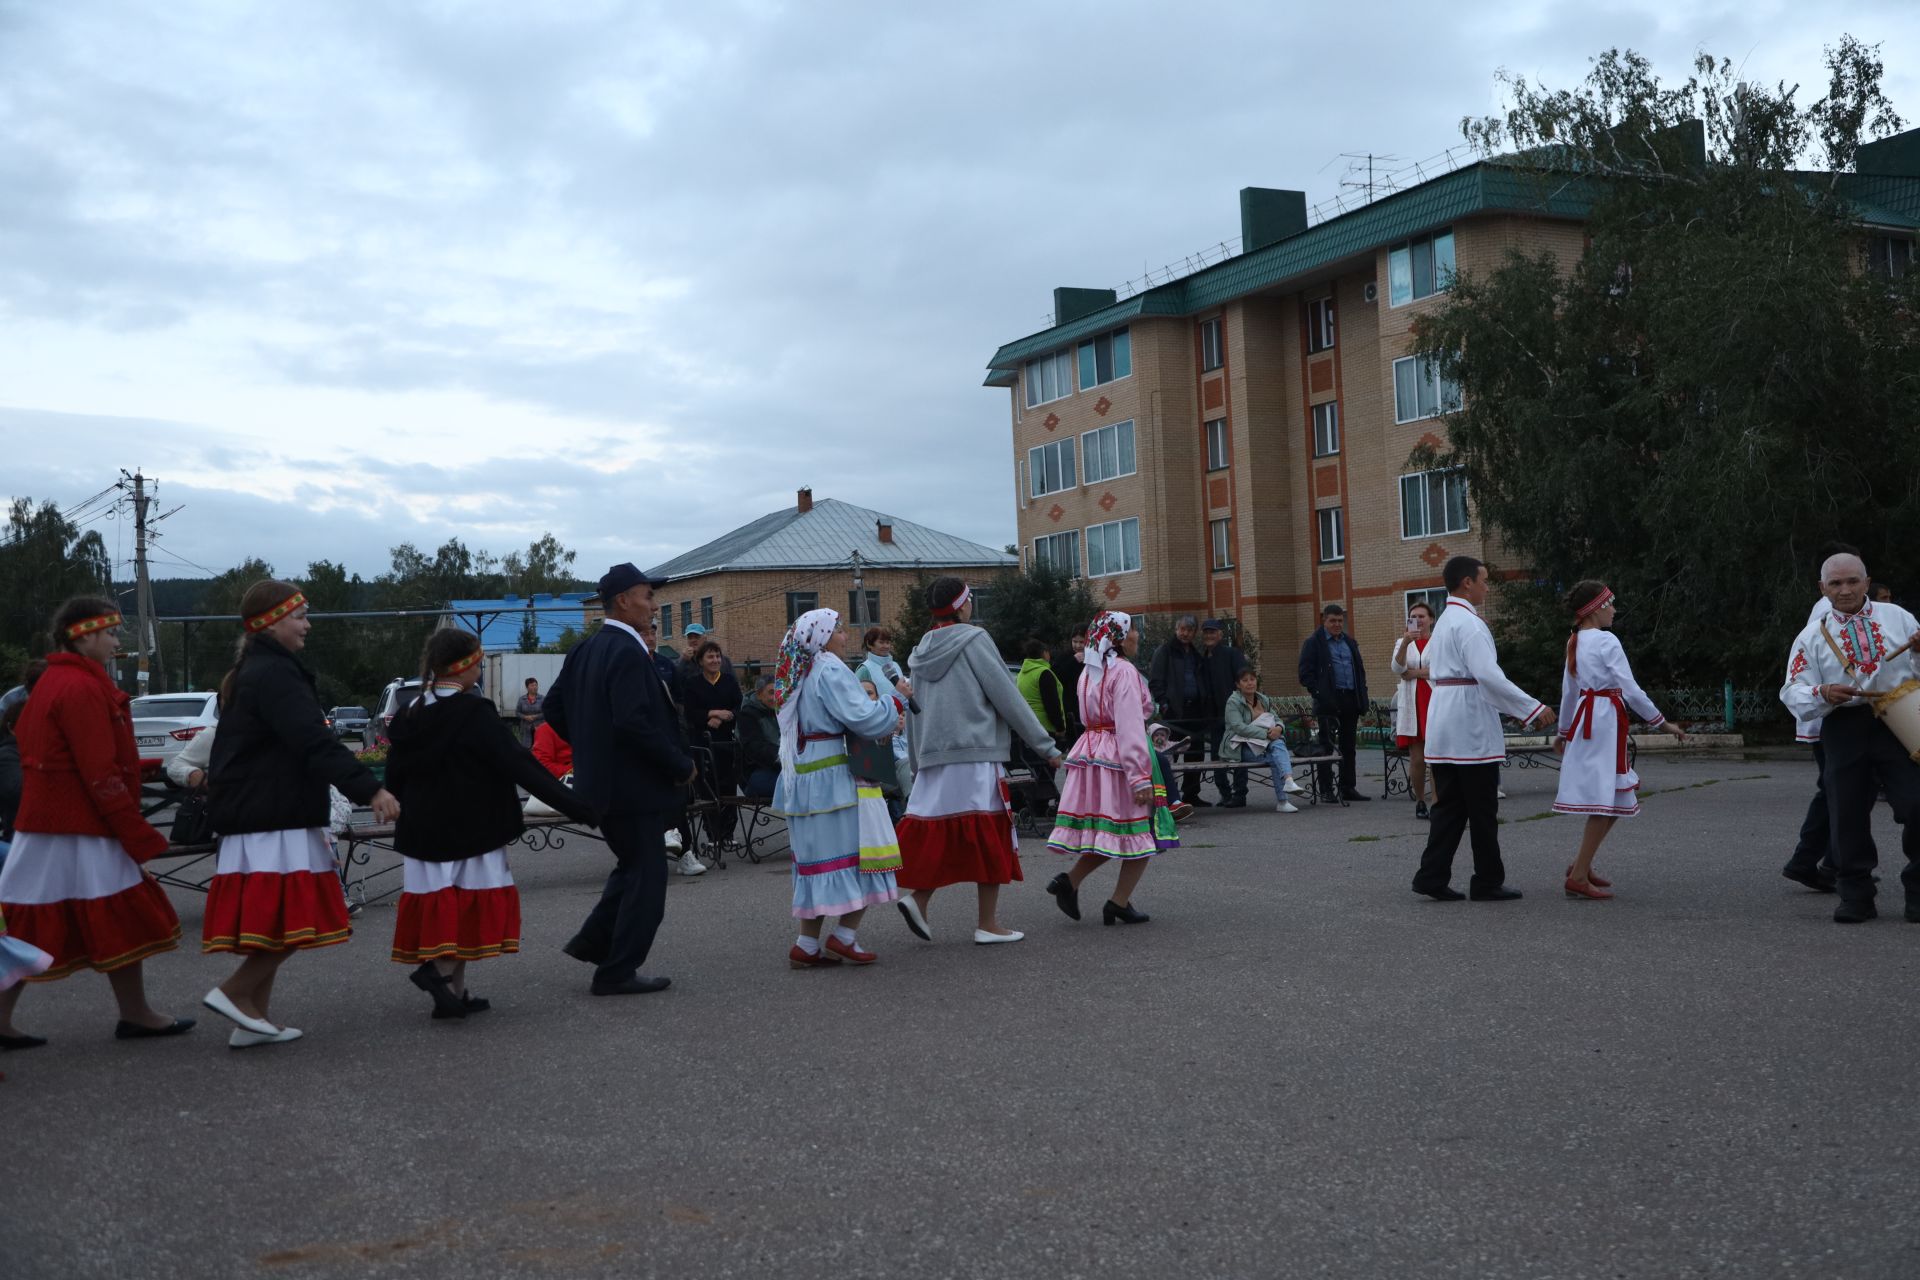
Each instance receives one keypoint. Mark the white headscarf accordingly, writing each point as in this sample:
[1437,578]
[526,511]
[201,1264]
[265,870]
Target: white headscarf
[798,651]
[1103,639]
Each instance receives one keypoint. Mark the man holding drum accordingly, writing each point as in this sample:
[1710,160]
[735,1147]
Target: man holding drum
[1854,672]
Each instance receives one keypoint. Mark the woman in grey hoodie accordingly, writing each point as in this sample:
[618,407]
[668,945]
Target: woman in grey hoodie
[958,827]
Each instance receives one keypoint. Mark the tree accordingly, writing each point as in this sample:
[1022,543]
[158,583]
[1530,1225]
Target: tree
[1040,602]
[1718,386]
[44,560]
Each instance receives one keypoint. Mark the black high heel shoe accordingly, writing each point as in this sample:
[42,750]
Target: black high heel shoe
[430,980]
[1111,912]
[22,1042]
[1065,896]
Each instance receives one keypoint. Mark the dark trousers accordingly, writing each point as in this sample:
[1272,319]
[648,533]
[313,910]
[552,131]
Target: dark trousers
[1196,749]
[761,782]
[1339,728]
[1816,833]
[1862,756]
[717,780]
[621,926]
[1224,780]
[1468,798]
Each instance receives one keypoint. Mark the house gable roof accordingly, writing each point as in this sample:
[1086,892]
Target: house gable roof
[826,537]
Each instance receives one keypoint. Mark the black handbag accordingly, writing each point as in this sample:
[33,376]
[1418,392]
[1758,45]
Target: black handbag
[190,822]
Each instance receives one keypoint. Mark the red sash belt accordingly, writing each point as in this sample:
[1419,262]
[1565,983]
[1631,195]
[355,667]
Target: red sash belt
[805,738]
[1099,728]
[1454,682]
[1583,722]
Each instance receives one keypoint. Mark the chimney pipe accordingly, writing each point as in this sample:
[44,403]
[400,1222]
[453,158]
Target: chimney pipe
[806,501]
[886,530]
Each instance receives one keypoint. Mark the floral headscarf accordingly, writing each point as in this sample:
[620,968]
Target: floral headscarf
[1104,637]
[798,649]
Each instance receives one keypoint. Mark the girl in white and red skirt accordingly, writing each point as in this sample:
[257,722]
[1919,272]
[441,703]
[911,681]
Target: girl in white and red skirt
[454,765]
[275,888]
[73,893]
[1595,695]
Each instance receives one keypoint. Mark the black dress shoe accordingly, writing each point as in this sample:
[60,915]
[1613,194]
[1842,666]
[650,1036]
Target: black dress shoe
[634,986]
[1854,911]
[1112,912]
[1198,803]
[1233,803]
[1499,894]
[1445,893]
[1814,880]
[1420,810]
[474,1004]
[585,952]
[124,1030]
[1353,795]
[1065,896]
[22,1042]
[430,980]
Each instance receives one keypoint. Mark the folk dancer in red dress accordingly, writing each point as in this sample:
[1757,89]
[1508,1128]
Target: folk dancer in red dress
[73,891]
[455,766]
[1596,693]
[275,888]
[1410,699]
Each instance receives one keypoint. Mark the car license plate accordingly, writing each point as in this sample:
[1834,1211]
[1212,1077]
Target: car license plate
[151,742]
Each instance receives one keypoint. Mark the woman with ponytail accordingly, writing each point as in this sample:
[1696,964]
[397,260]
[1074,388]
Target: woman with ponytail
[1596,693]
[275,889]
[454,766]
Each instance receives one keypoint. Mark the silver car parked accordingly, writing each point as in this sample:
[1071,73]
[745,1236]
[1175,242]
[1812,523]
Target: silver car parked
[164,723]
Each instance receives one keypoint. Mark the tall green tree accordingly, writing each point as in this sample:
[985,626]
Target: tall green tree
[44,559]
[1039,602]
[1721,384]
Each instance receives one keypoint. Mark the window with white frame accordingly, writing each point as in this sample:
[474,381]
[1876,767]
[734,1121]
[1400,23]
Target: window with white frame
[1419,391]
[1049,378]
[1217,444]
[1113,547]
[1419,268]
[1059,551]
[1435,598]
[1222,536]
[1213,353]
[1333,535]
[1320,324]
[1326,429]
[1106,358]
[1108,452]
[1050,467]
[1433,503]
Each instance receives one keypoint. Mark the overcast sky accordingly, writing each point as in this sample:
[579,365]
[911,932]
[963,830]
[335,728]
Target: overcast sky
[343,275]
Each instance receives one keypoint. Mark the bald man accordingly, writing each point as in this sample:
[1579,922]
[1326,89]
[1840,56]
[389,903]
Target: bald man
[1839,662]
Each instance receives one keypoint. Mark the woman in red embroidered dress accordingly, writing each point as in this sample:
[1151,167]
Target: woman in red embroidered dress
[73,886]
[1410,701]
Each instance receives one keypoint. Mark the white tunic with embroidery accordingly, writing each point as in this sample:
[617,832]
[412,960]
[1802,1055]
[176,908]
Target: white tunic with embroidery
[1809,730]
[1838,649]
[1595,777]
[1470,691]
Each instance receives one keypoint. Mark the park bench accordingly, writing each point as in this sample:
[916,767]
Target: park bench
[1524,750]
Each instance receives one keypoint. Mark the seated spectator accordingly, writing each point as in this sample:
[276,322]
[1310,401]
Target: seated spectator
[759,733]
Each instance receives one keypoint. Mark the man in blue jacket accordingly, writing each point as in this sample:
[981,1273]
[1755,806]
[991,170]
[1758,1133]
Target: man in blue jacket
[1331,670]
[629,764]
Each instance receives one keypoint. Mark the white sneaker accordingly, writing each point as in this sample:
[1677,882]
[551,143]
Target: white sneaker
[674,843]
[1499,792]
[982,938]
[241,1039]
[690,864]
[1294,788]
[1286,806]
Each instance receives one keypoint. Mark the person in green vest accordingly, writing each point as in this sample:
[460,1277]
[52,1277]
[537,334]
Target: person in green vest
[1040,686]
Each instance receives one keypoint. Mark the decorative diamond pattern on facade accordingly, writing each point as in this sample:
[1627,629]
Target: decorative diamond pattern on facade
[1101,406]
[1113,589]
[1055,512]
[1435,555]
[1051,421]
[1432,441]
[1106,501]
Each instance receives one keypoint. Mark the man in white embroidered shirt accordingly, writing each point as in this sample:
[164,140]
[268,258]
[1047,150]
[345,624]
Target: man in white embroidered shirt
[1841,665]
[1465,747]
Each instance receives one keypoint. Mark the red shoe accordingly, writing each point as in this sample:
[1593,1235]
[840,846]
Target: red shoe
[853,953]
[1594,877]
[1586,889]
[798,959]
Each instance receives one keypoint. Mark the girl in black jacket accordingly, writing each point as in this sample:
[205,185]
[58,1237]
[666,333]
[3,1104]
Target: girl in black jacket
[454,764]
[275,889]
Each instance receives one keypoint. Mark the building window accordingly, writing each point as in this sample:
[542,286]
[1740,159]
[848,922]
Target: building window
[982,604]
[1889,256]
[1049,378]
[1420,268]
[863,608]
[1419,391]
[1108,452]
[1222,531]
[799,602]
[1326,429]
[1213,352]
[1433,503]
[1059,551]
[666,621]
[706,612]
[686,615]
[1333,536]
[1217,445]
[1320,324]
[1050,467]
[1435,598]
[1105,358]
[1113,547]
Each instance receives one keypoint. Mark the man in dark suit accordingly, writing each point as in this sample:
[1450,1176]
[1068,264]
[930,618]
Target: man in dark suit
[1173,679]
[1331,670]
[629,763]
[1220,668]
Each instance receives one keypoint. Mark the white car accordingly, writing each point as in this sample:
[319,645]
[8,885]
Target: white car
[164,723]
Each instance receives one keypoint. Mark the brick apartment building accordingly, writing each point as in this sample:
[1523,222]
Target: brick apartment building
[748,585]
[1236,441]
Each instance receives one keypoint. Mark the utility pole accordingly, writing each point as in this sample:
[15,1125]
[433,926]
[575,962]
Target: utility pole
[859,594]
[146,680]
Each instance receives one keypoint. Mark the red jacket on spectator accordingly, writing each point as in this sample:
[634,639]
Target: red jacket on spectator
[551,750]
[81,769]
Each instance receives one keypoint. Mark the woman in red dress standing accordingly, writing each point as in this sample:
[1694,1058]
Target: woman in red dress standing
[72,885]
[1410,699]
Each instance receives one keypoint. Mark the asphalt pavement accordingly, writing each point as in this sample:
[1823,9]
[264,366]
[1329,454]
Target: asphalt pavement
[1298,1068]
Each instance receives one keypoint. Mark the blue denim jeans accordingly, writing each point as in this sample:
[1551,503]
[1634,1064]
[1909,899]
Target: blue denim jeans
[1278,757]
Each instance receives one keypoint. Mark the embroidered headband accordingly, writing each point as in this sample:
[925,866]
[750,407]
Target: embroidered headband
[261,621]
[959,602]
[466,664]
[1598,602]
[87,626]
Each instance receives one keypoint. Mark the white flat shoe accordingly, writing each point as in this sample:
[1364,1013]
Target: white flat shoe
[981,938]
[915,921]
[1294,788]
[217,1001]
[1286,806]
[249,1039]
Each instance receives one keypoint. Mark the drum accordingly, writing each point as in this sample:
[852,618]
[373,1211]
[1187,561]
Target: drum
[1899,710]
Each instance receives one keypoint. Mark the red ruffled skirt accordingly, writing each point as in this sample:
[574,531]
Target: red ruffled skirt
[958,829]
[85,903]
[275,891]
[462,910]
